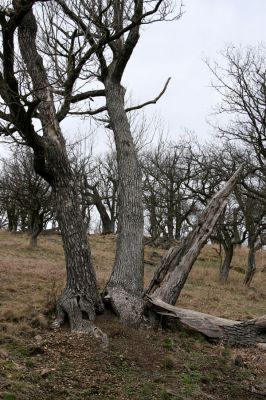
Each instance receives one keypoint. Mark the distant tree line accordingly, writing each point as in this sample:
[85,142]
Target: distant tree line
[179,178]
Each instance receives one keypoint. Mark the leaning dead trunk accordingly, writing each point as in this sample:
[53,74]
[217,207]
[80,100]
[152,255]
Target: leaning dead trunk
[126,282]
[172,274]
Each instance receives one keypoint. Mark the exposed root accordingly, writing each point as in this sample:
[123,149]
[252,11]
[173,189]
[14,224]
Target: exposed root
[89,327]
[80,312]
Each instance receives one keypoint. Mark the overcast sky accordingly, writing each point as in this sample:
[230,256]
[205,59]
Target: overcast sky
[177,49]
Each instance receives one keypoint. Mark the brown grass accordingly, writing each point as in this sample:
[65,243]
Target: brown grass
[153,363]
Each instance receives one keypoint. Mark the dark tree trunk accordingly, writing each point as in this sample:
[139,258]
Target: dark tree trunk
[170,214]
[178,219]
[80,300]
[36,227]
[23,222]
[226,265]
[126,282]
[154,228]
[12,221]
[251,269]
[178,226]
[107,226]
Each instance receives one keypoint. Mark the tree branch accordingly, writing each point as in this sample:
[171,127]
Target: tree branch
[154,101]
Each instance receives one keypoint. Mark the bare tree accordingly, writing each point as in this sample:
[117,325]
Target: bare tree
[166,171]
[27,94]
[26,193]
[83,41]
[123,20]
[241,82]
[254,213]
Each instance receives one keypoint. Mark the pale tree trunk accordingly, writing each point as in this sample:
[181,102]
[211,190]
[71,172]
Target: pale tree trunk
[173,272]
[126,282]
[235,333]
[80,300]
[226,265]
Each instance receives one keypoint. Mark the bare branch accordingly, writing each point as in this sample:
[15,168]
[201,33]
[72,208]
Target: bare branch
[154,101]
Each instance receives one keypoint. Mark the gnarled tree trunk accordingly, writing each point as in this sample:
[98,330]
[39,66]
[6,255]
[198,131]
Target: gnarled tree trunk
[80,300]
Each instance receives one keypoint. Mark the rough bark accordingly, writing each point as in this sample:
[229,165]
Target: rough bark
[126,282]
[172,274]
[80,300]
[236,333]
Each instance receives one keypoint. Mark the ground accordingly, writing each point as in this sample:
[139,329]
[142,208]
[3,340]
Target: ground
[37,362]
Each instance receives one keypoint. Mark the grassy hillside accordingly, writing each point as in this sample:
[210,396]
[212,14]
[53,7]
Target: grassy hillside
[39,363]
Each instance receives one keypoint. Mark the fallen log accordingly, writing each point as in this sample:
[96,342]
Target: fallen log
[231,332]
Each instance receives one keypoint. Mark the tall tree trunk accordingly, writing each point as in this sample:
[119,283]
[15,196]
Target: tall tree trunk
[173,272]
[126,282]
[251,269]
[80,300]
[225,267]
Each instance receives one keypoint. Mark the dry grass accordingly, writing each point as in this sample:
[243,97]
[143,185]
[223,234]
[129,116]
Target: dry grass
[153,364]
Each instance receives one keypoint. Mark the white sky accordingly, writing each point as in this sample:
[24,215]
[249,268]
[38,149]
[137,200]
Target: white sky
[176,50]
